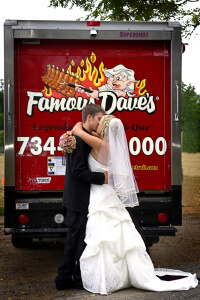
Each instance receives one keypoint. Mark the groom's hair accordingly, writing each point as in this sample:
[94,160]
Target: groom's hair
[91,109]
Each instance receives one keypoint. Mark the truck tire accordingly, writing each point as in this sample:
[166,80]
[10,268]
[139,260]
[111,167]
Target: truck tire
[152,240]
[21,242]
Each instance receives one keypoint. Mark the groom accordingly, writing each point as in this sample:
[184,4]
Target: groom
[76,200]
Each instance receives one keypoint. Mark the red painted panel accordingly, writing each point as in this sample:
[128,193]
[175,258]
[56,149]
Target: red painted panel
[41,118]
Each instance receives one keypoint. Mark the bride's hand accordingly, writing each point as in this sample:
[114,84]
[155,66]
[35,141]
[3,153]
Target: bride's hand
[77,128]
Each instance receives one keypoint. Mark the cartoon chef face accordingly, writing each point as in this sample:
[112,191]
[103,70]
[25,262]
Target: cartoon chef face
[120,78]
[119,82]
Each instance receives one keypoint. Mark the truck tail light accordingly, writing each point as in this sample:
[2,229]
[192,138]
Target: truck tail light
[93,23]
[162,217]
[23,219]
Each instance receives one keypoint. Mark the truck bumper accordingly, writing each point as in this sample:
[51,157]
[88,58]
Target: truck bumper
[37,233]
[159,231]
[54,232]
[152,234]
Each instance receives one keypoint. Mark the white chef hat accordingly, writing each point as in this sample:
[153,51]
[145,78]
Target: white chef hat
[120,69]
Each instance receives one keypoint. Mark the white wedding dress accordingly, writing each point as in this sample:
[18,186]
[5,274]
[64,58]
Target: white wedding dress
[115,256]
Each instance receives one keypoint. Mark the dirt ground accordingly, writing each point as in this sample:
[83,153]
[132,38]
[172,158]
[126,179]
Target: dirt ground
[29,273]
[191,182]
[1,177]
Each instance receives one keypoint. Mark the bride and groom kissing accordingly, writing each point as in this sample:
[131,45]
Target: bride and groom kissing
[105,250]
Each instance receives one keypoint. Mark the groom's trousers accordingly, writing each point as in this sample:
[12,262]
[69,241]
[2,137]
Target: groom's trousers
[69,268]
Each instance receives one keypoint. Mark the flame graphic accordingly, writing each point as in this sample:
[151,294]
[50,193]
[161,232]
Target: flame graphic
[69,69]
[82,63]
[46,92]
[96,76]
[72,63]
[93,57]
[141,86]
[78,72]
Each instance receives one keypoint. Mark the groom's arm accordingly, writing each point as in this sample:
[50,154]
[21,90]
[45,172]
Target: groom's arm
[79,168]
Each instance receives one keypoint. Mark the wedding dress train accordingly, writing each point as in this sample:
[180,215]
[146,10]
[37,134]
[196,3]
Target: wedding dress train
[115,256]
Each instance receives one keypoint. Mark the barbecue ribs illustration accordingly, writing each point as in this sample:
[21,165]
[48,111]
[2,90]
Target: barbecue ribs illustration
[61,81]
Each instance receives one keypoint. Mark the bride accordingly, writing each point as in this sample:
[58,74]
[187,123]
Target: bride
[115,256]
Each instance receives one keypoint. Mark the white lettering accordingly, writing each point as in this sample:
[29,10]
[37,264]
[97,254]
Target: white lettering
[109,102]
[32,101]
[112,100]
[163,142]
[147,146]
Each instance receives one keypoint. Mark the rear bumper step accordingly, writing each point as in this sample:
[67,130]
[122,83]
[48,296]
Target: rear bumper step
[36,232]
[148,231]
[159,231]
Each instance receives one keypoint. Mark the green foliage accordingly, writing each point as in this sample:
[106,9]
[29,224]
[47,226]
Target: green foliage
[140,10]
[1,106]
[1,137]
[1,103]
[1,110]
[1,121]
[190,119]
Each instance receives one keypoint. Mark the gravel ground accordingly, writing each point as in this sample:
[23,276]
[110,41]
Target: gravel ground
[29,273]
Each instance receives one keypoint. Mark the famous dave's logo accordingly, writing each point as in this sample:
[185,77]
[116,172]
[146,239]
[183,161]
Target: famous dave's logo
[113,89]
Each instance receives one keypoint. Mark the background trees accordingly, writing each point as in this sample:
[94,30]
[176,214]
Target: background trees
[190,119]
[140,10]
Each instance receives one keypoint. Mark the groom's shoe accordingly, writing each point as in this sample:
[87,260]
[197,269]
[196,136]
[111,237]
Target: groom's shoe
[78,287]
[65,285]
[78,284]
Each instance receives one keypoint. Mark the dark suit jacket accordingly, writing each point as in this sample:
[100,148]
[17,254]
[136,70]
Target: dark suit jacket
[78,178]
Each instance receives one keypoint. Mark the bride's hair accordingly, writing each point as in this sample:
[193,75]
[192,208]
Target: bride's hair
[105,122]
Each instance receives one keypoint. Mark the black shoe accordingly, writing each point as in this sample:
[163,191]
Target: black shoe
[78,284]
[64,286]
[78,287]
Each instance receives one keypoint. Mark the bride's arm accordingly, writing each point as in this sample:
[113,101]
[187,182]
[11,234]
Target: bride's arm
[94,141]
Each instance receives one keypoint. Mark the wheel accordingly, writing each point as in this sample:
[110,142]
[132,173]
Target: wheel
[21,242]
[152,240]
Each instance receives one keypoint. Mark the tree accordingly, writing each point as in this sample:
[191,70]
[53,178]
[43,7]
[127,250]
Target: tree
[1,121]
[1,103]
[1,137]
[140,10]
[190,119]
[1,111]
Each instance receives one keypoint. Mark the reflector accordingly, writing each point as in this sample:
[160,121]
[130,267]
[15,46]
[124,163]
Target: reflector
[162,217]
[23,219]
[93,23]
[59,218]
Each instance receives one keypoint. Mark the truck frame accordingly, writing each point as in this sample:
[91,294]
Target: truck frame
[38,109]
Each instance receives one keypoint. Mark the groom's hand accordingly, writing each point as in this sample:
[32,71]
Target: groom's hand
[106,177]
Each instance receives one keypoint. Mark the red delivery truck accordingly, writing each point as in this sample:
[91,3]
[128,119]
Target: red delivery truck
[43,62]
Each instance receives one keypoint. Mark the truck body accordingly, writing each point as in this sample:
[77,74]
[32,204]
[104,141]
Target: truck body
[41,58]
